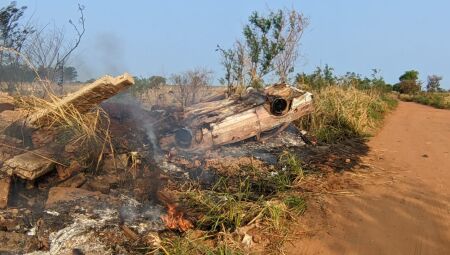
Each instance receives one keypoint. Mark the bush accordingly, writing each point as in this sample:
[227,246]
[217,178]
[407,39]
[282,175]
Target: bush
[437,100]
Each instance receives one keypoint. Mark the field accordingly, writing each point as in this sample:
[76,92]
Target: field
[223,132]
[229,194]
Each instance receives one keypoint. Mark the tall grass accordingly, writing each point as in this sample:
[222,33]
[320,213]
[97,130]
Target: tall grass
[437,100]
[345,111]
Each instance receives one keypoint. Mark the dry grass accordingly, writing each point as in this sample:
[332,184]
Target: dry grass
[437,100]
[343,112]
[89,131]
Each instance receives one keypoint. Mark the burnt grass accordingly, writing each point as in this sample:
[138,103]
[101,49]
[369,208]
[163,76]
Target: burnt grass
[233,187]
[258,188]
[252,179]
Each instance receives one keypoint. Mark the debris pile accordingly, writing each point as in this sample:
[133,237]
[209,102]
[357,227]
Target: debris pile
[76,178]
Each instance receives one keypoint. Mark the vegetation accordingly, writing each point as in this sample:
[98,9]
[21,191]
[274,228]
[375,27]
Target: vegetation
[143,84]
[345,107]
[409,83]
[434,84]
[191,85]
[270,45]
[410,90]
[28,53]
[438,100]
[237,202]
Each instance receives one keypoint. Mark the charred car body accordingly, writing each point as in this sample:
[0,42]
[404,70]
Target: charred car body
[209,124]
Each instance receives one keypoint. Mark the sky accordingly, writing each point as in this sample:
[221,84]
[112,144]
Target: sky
[165,37]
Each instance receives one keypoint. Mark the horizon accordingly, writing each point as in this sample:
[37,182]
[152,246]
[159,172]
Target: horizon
[160,38]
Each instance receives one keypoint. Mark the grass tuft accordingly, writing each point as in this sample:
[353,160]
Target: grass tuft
[296,204]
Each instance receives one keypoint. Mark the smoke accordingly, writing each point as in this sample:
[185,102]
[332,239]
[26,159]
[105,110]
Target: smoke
[137,112]
[110,53]
[105,56]
[84,70]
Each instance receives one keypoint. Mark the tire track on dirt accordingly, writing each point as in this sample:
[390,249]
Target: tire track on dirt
[405,207]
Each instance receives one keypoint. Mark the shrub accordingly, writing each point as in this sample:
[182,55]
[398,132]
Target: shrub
[437,100]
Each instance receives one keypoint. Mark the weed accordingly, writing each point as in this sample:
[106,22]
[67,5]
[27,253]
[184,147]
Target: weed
[221,209]
[275,213]
[291,171]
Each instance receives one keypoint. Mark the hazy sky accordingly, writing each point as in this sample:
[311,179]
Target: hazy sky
[164,37]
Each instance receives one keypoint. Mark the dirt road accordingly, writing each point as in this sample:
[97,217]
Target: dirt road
[403,207]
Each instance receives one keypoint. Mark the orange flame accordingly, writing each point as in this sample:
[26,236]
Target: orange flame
[174,219]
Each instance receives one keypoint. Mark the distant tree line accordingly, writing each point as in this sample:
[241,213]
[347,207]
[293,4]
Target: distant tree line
[409,83]
[270,45]
[143,84]
[324,77]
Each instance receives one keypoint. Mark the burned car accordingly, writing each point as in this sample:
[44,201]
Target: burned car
[209,124]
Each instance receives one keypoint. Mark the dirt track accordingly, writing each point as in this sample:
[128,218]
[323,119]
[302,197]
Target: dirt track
[403,206]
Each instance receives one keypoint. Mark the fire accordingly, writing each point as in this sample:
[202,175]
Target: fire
[174,219]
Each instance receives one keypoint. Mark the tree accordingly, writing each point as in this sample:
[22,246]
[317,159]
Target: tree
[142,85]
[13,35]
[156,81]
[50,51]
[270,44]
[269,38]
[433,84]
[70,73]
[409,76]
[228,60]
[293,26]
[191,85]
[234,61]
[320,78]
[409,83]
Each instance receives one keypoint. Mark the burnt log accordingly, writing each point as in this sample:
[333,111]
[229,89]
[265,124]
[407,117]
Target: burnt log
[82,100]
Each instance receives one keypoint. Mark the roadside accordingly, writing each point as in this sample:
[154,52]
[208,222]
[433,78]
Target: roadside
[403,206]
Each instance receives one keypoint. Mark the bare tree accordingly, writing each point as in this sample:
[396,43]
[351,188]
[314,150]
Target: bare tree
[44,49]
[191,85]
[49,50]
[293,27]
[434,83]
[241,63]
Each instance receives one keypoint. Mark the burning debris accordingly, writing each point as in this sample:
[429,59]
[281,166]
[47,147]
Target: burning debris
[174,219]
[96,184]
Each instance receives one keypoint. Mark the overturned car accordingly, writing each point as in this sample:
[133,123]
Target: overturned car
[209,124]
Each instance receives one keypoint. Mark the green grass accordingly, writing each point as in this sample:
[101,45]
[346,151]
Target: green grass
[296,203]
[221,210]
[238,200]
